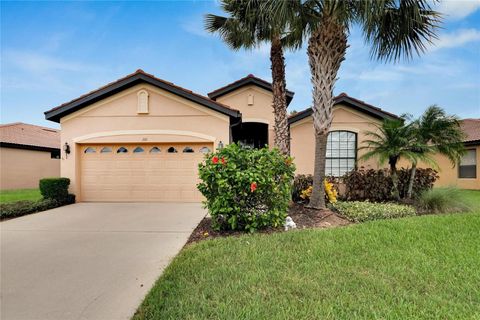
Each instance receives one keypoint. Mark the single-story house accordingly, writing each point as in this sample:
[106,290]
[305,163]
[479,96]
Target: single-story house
[141,138]
[27,154]
[466,174]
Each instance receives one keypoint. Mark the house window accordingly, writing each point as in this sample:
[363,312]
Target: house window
[122,150]
[155,150]
[204,150]
[188,150]
[138,150]
[468,165]
[55,154]
[106,150]
[90,150]
[341,153]
[172,150]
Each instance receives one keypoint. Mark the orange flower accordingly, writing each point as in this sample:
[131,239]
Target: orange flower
[253,186]
[215,160]
[224,162]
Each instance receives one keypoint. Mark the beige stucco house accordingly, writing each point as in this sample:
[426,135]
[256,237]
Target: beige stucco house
[27,154]
[141,138]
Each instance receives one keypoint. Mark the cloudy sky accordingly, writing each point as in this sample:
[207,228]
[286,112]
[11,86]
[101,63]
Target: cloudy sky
[52,52]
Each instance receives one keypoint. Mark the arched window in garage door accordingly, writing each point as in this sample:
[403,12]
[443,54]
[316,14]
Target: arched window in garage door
[172,150]
[188,150]
[155,150]
[138,150]
[204,150]
[122,150]
[90,150]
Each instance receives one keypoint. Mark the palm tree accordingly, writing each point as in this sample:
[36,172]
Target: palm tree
[251,23]
[394,29]
[439,133]
[392,141]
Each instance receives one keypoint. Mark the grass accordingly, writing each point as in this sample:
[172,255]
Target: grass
[7,196]
[423,267]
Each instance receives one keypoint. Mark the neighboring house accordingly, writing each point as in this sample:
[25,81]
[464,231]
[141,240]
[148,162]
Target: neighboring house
[141,138]
[466,175]
[27,154]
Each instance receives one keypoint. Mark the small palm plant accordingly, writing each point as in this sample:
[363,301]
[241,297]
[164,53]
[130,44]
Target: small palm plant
[436,132]
[391,142]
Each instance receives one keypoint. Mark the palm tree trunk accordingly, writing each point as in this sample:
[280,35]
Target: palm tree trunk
[317,199]
[326,51]
[412,179]
[394,175]
[281,129]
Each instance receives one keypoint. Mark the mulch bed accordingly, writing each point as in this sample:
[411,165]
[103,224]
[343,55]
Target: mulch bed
[302,216]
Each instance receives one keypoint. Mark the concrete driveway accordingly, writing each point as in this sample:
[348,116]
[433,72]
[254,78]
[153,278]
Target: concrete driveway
[89,260]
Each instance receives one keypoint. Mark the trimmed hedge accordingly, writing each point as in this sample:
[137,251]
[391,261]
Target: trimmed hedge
[376,185]
[54,188]
[21,208]
[361,211]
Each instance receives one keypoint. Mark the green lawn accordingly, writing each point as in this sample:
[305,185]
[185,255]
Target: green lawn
[19,194]
[425,267]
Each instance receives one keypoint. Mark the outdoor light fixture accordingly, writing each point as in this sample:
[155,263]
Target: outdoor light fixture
[66,148]
[220,144]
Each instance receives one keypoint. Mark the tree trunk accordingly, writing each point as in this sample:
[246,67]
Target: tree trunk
[317,199]
[281,129]
[394,175]
[412,179]
[326,51]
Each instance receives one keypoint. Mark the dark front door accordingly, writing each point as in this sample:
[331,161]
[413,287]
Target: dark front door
[251,134]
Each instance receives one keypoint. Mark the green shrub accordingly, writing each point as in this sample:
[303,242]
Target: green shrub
[24,207]
[304,181]
[441,200]
[20,208]
[361,211]
[54,188]
[376,185]
[300,183]
[246,189]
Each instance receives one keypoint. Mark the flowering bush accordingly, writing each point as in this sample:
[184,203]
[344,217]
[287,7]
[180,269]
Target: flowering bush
[302,189]
[246,189]
[361,211]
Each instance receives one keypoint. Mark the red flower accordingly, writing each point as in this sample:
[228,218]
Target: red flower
[215,160]
[224,162]
[253,186]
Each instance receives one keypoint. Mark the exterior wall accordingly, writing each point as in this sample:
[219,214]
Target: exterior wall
[260,111]
[115,119]
[448,175]
[344,118]
[22,169]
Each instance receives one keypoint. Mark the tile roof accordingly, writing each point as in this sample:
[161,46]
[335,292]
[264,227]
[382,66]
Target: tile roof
[471,127]
[356,103]
[138,76]
[24,134]
[249,79]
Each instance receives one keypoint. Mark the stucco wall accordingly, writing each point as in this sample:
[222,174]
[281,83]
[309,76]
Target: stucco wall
[344,118]
[448,175]
[115,119]
[22,169]
[260,111]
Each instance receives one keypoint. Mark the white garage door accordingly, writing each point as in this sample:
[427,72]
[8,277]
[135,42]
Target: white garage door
[141,172]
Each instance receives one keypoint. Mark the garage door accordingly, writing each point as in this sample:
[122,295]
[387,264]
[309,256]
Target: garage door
[141,172]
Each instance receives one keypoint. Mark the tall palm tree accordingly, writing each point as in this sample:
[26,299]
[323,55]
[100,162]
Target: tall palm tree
[392,141]
[439,133]
[251,23]
[394,28]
